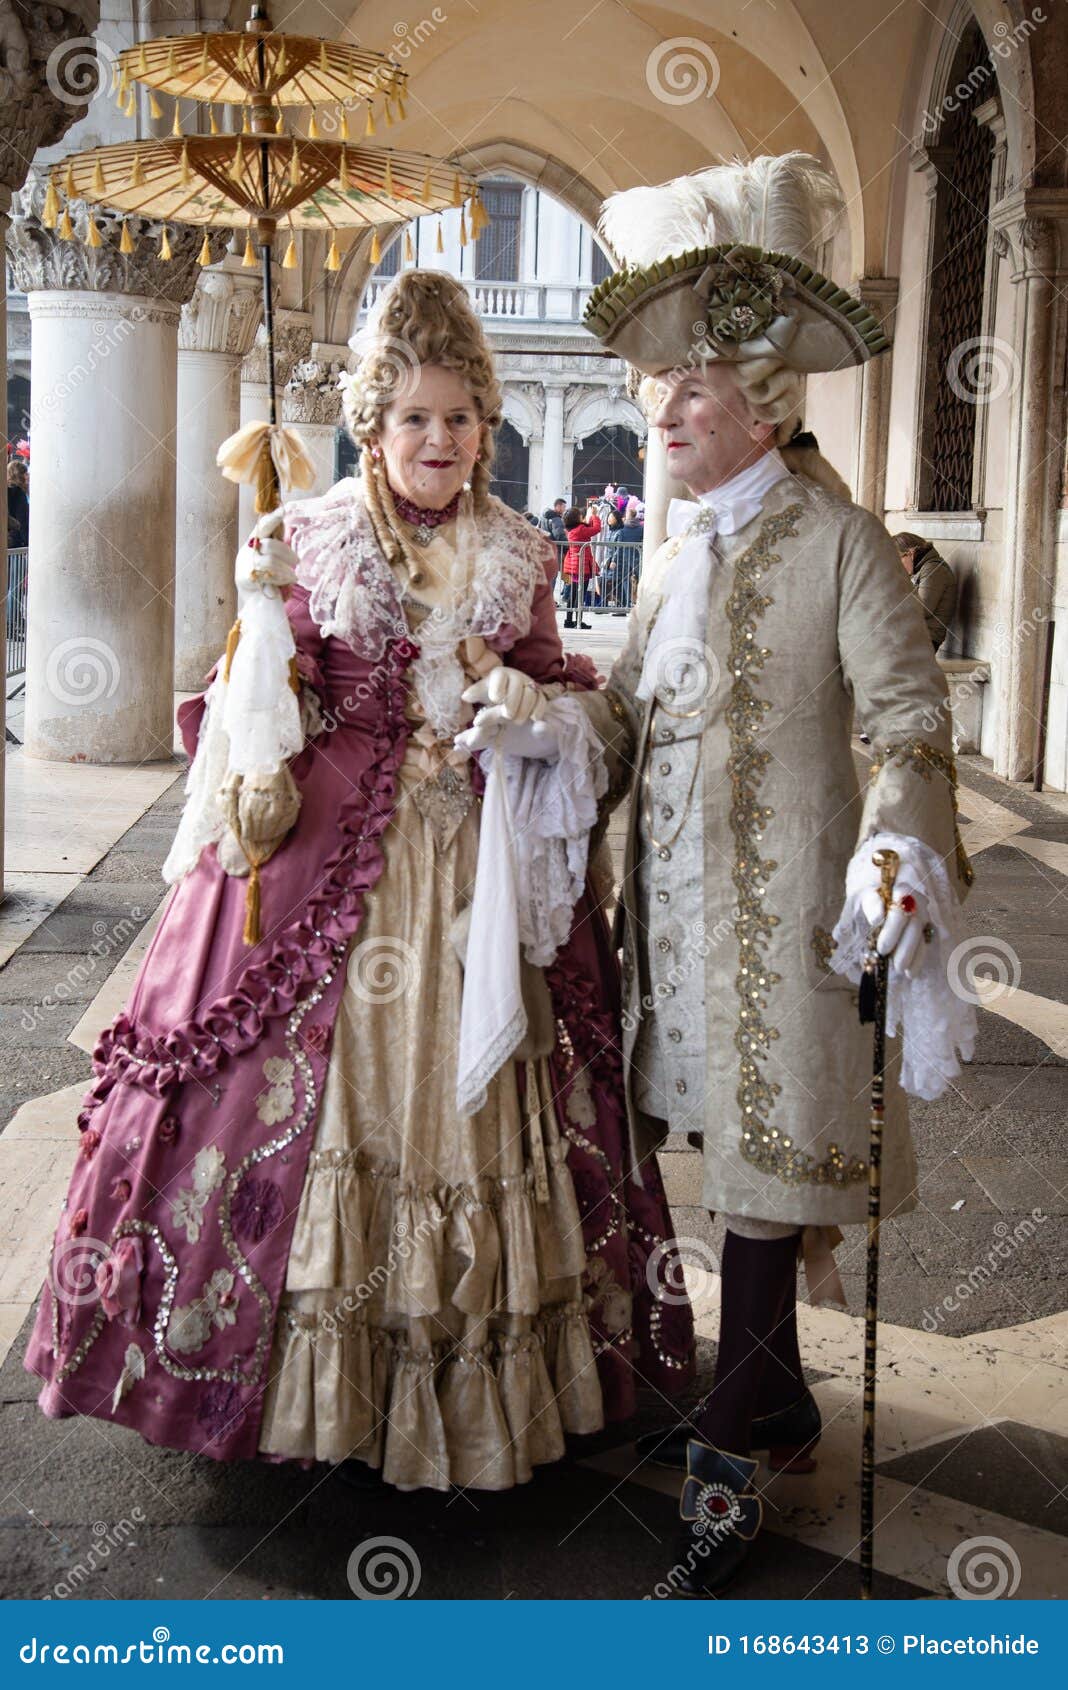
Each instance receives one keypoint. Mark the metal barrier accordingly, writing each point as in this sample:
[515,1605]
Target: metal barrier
[611,591]
[16,610]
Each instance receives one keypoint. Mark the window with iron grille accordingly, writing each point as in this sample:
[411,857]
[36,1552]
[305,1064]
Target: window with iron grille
[963,158]
[602,264]
[389,263]
[496,252]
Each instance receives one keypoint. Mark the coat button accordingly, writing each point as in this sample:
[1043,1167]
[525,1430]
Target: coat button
[664,854]
[665,768]
[662,897]
[680,1087]
[663,944]
[666,811]
[675,1035]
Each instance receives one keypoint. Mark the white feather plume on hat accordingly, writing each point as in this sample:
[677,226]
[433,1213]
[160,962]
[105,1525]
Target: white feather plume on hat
[786,204]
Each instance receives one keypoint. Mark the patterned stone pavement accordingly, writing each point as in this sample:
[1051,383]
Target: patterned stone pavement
[974,1346]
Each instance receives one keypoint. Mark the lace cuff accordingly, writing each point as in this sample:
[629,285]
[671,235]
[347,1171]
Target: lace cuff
[931,1008]
[553,808]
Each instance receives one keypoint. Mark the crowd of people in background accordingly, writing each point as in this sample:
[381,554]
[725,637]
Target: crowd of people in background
[599,547]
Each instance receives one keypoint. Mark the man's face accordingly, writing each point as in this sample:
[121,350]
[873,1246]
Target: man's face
[707,428]
[559,506]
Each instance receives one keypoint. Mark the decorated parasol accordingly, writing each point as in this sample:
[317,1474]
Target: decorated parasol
[268,179]
[261,174]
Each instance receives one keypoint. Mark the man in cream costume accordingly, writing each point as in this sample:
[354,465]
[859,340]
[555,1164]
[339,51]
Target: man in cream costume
[774,609]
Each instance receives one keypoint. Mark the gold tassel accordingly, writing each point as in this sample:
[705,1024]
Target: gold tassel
[463,230]
[281,63]
[204,57]
[92,234]
[439,245]
[280,127]
[98,177]
[125,240]
[170,59]
[388,110]
[322,57]
[402,109]
[155,110]
[409,250]
[457,193]
[251,934]
[131,105]
[369,128]
[248,260]
[387,179]
[137,175]
[242,58]
[294,167]
[66,232]
[289,262]
[68,182]
[185,175]
[123,92]
[204,255]
[142,62]
[237,168]
[231,646]
[50,211]
[165,252]
[345,136]
[213,127]
[376,248]
[343,172]
[176,126]
[313,129]
[246,126]
[333,257]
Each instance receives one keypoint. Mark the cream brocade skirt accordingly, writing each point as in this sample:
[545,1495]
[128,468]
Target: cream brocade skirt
[432,1321]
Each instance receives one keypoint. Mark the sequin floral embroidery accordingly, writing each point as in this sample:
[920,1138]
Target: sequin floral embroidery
[190,1325]
[187,1209]
[276,1103]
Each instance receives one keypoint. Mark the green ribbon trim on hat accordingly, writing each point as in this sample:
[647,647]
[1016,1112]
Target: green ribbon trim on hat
[744,296]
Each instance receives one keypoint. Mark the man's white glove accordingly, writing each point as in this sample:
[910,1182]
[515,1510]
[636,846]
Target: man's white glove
[512,717]
[902,934]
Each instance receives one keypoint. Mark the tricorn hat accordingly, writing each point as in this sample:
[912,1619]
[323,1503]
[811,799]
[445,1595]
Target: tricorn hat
[716,266]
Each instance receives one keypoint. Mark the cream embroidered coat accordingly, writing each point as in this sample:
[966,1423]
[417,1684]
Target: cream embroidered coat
[810,613]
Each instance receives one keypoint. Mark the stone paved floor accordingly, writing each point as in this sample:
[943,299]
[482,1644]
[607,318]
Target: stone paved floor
[973,1397]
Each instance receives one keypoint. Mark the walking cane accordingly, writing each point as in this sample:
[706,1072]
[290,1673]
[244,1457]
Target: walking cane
[873,987]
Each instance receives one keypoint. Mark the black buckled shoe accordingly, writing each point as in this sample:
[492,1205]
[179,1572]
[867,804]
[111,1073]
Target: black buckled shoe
[721,1516]
[789,1435]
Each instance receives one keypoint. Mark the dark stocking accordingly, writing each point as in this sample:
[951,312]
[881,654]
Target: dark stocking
[784,1377]
[758,1275]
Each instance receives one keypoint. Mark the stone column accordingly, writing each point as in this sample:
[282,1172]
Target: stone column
[43,91]
[292,341]
[100,618]
[1035,223]
[553,482]
[311,403]
[879,294]
[217,329]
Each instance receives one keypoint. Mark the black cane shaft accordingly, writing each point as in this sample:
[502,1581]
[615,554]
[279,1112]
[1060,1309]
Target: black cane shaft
[871,1300]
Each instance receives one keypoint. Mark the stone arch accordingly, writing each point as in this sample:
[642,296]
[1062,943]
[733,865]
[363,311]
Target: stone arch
[603,409]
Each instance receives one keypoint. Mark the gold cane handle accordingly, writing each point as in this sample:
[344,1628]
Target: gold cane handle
[888,862]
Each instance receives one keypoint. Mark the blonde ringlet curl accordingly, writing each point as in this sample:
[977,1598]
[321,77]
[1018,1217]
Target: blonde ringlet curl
[424,317]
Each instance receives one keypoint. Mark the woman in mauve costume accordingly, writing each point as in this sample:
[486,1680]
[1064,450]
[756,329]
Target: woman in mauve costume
[338,1194]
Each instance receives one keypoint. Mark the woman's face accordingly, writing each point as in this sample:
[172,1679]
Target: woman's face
[430,437]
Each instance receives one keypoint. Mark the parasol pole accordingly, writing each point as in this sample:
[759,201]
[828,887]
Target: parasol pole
[268,491]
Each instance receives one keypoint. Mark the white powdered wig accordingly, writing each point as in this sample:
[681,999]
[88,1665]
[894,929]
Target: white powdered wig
[785,204]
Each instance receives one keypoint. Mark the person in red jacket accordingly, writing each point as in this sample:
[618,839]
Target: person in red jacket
[580,565]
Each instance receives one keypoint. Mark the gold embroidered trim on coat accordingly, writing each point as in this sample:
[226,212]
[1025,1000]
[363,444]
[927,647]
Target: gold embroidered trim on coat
[765,1146]
[926,760]
[823,943]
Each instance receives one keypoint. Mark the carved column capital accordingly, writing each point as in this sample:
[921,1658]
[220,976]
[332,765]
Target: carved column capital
[41,95]
[292,342]
[223,314]
[312,394]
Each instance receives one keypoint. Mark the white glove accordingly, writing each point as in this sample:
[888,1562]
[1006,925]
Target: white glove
[511,695]
[515,739]
[264,562]
[902,935]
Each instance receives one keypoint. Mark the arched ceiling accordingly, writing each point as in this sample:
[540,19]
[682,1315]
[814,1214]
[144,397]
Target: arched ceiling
[622,92]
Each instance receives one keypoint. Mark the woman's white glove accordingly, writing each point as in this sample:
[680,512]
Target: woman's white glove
[263,561]
[902,934]
[512,717]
